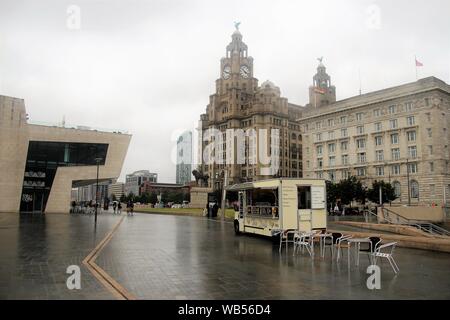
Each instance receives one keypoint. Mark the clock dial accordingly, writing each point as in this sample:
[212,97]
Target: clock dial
[244,71]
[226,72]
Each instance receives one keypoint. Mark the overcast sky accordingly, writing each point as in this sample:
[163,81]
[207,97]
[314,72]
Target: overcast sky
[148,67]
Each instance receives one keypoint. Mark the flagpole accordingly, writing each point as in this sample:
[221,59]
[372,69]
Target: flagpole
[415,63]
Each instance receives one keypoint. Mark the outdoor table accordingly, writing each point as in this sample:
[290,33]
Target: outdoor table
[322,237]
[357,242]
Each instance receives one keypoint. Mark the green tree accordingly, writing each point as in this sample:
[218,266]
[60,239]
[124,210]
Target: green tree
[387,192]
[153,197]
[332,192]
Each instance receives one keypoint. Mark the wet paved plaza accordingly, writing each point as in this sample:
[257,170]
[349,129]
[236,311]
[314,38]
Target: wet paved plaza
[179,257]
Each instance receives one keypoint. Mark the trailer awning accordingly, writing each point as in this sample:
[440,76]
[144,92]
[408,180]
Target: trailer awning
[240,186]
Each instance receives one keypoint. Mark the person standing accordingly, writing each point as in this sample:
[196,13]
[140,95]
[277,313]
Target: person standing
[114,207]
[119,208]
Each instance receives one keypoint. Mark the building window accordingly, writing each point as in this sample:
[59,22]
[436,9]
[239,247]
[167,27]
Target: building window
[412,167]
[359,129]
[431,166]
[345,174]
[430,150]
[378,140]
[411,136]
[395,154]
[331,161]
[331,148]
[345,159]
[344,132]
[428,116]
[410,121]
[427,102]
[379,155]
[332,175]
[379,171]
[319,150]
[378,127]
[320,163]
[414,189]
[330,122]
[343,119]
[318,125]
[394,138]
[392,109]
[331,135]
[412,152]
[393,124]
[397,189]
[429,132]
[319,175]
[395,169]
[361,157]
[376,112]
[344,146]
[360,172]
[408,106]
[359,116]
[307,164]
[361,143]
[319,137]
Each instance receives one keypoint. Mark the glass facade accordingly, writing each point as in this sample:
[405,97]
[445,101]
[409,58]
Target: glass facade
[44,158]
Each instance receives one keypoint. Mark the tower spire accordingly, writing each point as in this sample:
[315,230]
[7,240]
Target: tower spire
[321,93]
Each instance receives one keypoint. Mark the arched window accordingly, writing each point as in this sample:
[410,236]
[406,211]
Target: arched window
[294,136]
[414,189]
[397,189]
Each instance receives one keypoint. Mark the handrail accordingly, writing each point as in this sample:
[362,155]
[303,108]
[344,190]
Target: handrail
[424,226]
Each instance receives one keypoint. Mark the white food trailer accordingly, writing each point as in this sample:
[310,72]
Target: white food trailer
[268,206]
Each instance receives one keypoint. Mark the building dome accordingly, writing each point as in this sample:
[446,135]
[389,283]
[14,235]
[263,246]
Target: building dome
[268,85]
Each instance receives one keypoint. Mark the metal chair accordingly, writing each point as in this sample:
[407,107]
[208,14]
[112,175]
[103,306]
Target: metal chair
[342,243]
[304,240]
[284,238]
[386,251]
[374,242]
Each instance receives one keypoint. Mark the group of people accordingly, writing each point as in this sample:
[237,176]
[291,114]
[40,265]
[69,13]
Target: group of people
[117,208]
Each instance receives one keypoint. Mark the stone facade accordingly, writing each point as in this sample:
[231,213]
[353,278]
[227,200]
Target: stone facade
[399,134]
[239,103]
[15,135]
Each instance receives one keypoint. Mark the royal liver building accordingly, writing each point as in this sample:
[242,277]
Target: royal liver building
[272,142]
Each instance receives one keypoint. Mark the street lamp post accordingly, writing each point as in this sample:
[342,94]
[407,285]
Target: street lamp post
[407,178]
[97,160]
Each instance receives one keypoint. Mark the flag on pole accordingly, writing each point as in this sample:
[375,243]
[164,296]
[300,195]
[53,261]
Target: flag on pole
[418,63]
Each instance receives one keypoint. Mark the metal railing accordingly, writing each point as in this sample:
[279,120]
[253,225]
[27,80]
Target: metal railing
[392,217]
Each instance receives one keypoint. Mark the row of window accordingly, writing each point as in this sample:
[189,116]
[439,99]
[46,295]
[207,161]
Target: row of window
[359,116]
[361,143]
[360,130]
[361,159]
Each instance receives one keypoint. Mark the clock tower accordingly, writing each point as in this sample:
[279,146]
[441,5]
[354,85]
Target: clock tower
[238,103]
[321,93]
[236,68]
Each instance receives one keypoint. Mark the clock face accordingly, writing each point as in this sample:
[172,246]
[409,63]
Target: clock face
[244,71]
[226,72]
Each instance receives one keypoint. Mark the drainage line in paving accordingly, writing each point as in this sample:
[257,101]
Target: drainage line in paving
[112,285]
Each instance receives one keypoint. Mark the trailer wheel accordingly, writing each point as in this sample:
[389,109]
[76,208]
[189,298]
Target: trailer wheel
[236,227]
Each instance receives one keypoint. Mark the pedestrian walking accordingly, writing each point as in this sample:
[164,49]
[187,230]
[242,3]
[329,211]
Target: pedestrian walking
[119,208]
[114,207]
